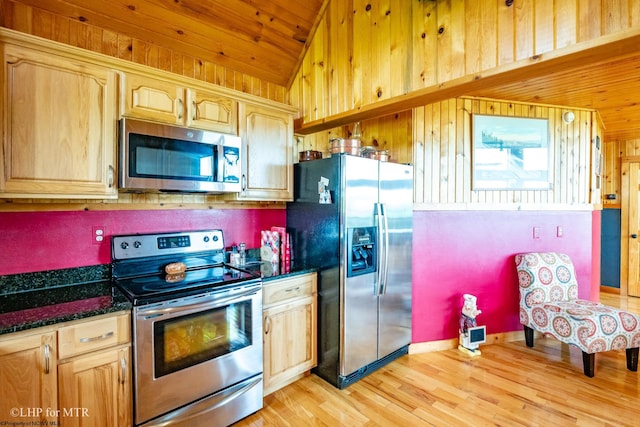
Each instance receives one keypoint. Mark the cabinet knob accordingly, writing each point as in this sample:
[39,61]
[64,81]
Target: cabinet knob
[634,236]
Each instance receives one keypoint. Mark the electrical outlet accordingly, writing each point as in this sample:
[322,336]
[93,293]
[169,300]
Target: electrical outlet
[97,234]
[536,232]
[559,231]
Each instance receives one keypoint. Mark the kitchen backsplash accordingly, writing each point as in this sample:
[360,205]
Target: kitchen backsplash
[41,241]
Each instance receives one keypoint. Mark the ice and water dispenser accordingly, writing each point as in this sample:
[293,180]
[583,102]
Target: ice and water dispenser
[361,258]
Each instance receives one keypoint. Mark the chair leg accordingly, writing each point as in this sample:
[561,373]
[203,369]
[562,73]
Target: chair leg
[588,360]
[528,336]
[632,359]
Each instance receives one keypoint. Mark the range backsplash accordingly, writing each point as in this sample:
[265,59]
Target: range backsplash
[40,241]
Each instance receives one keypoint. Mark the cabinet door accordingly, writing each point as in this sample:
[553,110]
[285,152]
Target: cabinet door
[289,334]
[60,127]
[147,98]
[212,112]
[267,137]
[28,379]
[95,389]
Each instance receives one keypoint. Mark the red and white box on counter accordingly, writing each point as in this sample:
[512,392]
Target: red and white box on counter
[285,249]
[270,246]
[275,247]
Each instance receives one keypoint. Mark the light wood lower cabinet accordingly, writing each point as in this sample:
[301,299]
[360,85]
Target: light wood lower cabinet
[94,373]
[28,378]
[72,374]
[290,330]
[95,389]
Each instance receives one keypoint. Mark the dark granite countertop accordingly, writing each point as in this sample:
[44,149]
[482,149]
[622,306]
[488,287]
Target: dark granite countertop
[268,272]
[32,300]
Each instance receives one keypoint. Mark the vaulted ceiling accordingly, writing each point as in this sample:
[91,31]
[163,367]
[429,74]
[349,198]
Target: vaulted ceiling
[266,39]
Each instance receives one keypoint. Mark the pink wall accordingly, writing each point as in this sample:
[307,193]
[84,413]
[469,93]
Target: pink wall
[40,241]
[457,252]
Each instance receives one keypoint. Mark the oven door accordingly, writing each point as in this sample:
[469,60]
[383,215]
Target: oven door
[189,348]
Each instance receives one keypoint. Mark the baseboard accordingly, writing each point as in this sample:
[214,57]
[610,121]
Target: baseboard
[427,347]
[609,290]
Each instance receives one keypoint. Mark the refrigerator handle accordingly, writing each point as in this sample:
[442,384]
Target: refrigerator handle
[378,285]
[385,253]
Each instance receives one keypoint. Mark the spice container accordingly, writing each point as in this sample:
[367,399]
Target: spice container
[242,258]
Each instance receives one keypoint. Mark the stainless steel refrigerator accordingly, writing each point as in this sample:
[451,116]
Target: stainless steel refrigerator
[352,219]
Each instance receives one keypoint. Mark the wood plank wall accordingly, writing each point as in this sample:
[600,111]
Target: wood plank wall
[366,51]
[391,133]
[40,23]
[436,138]
[442,156]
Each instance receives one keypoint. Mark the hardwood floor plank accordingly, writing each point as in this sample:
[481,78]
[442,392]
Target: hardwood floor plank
[508,385]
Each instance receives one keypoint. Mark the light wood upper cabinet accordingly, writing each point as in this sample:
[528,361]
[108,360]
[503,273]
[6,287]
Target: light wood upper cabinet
[289,329]
[152,99]
[59,125]
[168,102]
[213,112]
[267,153]
[28,377]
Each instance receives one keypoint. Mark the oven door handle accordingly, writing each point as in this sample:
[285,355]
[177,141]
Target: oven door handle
[207,303]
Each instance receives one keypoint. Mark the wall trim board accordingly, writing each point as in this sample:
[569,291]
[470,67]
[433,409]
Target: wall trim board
[12,205]
[503,207]
[449,344]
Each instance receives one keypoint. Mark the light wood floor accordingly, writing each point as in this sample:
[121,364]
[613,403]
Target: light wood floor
[508,385]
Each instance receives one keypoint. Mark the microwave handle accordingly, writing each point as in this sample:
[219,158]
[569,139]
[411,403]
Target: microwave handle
[220,169]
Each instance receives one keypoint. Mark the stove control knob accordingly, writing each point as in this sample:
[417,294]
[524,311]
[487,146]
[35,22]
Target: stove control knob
[215,237]
[206,239]
[124,245]
[137,244]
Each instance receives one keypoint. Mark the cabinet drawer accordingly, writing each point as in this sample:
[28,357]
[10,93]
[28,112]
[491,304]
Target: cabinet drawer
[93,335]
[285,289]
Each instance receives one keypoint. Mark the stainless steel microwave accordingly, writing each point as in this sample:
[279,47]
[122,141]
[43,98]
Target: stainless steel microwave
[160,157]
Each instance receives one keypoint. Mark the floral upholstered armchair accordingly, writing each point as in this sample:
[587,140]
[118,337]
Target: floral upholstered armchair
[549,304]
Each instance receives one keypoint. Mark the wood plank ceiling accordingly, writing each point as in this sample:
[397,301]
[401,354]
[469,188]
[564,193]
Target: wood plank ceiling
[264,39]
[267,40]
[612,87]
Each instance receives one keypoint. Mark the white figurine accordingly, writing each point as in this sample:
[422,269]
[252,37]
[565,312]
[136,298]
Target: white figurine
[467,321]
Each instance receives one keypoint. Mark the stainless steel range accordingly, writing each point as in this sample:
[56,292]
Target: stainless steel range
[197,328]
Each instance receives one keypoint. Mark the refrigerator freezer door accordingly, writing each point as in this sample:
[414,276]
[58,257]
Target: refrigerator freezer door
[359,338]
[396,195]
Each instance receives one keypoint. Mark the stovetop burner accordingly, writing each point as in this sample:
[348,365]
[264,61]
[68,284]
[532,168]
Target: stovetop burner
[158,287]
[139,262]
